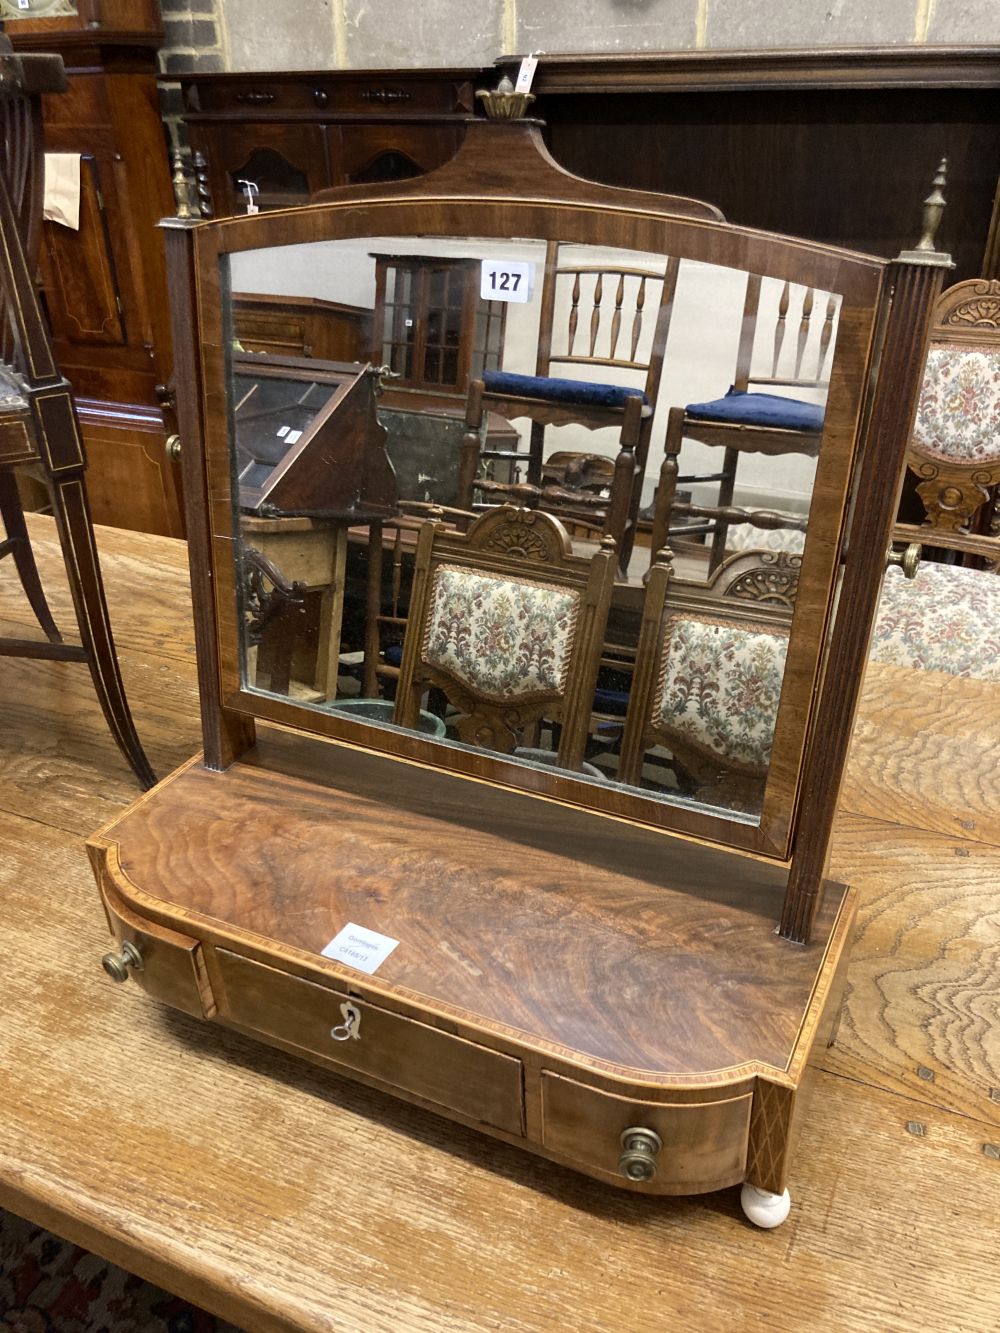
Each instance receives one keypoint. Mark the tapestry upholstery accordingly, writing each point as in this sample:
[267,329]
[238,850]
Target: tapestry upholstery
[958,416]
[719,687]
[503,638]
[946,619]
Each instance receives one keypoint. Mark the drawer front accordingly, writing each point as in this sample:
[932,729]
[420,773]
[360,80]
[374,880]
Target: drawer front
[173,969]
[453,1073]
[384,94]
[704,1143]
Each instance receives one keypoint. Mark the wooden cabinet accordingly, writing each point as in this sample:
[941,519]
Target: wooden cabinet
[104,285]
[814,143]
[291,134]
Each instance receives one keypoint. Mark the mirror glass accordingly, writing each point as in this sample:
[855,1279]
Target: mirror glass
[692,421]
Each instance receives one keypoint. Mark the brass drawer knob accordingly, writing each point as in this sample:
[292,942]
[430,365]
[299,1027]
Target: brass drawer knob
[172,447]
[117,965]
[639,1151]
[908,559]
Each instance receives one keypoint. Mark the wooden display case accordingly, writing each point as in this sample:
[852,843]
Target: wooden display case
[627,979]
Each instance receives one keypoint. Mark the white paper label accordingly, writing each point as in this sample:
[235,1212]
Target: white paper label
[293,437]
[525,74]
[506,280]
[283,432]
[358,947]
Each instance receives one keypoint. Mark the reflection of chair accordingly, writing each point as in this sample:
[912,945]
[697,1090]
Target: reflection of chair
[747,420]
[706,688]
[388,606]
[274,609]
[616,338]
[38,422]
[955,446]
[508,623]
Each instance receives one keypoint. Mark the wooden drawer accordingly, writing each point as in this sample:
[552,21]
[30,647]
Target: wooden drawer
[704,1143]
[452,1073]
[173,968]
[378,94]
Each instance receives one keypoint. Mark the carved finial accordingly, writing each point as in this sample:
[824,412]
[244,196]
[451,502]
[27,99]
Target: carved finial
[926,251]
[504,103]
[182,194]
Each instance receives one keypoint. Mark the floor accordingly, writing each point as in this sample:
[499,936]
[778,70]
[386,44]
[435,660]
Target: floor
[235,1176]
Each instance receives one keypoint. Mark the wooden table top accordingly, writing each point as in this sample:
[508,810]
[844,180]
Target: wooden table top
[283,1199]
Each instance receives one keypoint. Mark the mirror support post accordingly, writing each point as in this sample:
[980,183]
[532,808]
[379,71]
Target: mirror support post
[914,282]
[226,734]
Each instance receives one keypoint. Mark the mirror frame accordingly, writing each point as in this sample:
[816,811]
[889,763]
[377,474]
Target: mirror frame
[454,203]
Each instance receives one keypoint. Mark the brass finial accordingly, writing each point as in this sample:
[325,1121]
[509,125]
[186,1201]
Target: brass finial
[933,208]
[182,193]
[503,103]
[926,251]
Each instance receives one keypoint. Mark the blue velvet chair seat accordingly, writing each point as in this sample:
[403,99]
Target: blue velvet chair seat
[739,408]
[575,393]
[612,702]
[394,654]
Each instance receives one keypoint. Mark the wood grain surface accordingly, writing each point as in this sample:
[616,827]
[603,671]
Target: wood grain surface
[285,1199]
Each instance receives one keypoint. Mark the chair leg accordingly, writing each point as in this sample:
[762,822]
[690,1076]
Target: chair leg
[76,534]
[666,491]
[12,513]
[726,487]
[536,452]
[468,459]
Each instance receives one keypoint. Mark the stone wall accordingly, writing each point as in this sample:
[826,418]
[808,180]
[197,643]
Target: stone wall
[358,34]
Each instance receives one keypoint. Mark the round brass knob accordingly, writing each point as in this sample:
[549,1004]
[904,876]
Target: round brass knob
[172,446]
[117,965]
[639,1149]
[908,559]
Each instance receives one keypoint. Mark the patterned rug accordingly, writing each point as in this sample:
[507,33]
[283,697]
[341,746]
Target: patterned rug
[50,1286]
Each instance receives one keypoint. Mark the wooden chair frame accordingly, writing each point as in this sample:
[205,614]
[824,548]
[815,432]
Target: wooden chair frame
[39,429]
[634,418]
[737,438]
[955,493]
[641,728]
[525,547]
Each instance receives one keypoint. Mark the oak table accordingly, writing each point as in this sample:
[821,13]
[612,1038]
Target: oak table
[284,1199]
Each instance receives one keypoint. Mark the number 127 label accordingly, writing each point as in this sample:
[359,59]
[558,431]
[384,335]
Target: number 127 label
[506,280]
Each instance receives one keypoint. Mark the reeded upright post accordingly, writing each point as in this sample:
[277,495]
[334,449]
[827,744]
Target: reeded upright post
[915,280]
[225,734]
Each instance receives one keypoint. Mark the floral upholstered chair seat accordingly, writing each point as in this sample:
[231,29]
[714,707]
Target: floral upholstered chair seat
[719,687]
[505,639]
[946,619]
[958,416]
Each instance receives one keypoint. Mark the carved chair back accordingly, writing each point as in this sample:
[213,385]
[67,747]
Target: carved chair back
[706,687]
[509,624]
[955,446]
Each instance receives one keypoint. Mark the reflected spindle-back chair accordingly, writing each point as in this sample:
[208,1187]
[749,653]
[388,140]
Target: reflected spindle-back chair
[601,342]
[749,418]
